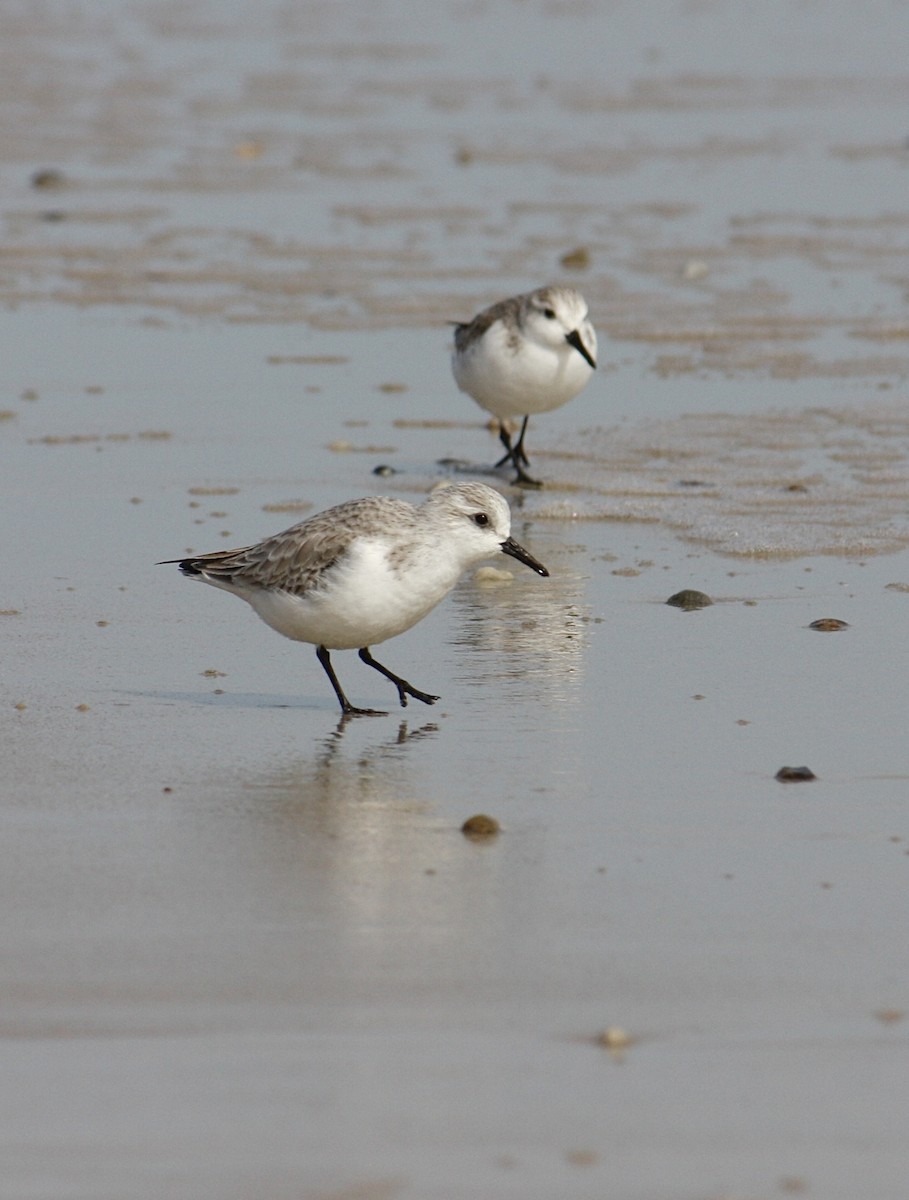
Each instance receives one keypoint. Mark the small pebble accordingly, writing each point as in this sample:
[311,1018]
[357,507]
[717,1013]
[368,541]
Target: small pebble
[828,624]
[480,827]
[577,259]
[249,150]
[889,1016]
[614,1037]
[582,1158]
[795,774]
[492,575]
[48,177]
[616,1041]
[694,270]
[793,1184]
[689,600]
[384,470]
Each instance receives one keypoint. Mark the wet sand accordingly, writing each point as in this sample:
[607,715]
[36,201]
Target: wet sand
[250,951]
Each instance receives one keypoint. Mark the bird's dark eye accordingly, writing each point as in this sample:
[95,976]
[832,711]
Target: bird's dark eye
[480,519]
[549,314]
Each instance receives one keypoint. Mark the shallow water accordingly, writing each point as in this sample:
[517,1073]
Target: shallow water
[248,949]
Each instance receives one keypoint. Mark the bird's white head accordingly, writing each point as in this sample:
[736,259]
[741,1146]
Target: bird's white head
[557,316]
[481,519]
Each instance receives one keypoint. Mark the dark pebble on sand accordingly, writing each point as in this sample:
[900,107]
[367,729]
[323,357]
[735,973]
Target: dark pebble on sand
[828,624]
[689,600]
[480,827]
[48,177]
[795,774]
[577,259]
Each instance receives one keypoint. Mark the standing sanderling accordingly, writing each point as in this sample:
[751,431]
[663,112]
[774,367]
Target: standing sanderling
[528,354]
[365,571]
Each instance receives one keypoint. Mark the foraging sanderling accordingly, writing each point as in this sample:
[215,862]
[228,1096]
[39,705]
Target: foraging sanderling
[365,571]
[528,354]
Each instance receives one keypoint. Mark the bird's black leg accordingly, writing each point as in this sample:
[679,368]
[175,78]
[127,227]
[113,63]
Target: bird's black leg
[505,439]
[404,688]
[516,456]
[346,707]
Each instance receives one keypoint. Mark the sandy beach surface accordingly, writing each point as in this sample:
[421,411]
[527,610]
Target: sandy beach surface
[248,950]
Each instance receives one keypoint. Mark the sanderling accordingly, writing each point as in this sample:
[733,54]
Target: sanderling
[365,571]
[528,354]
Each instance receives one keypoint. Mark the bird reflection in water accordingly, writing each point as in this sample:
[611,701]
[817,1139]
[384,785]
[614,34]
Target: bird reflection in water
[523,636]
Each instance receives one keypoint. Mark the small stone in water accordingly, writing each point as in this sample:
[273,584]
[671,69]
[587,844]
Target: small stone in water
[48,177]
[828,624]
[795,774]
[695,269]
[689,600]
[480,826]
[577,259]
[615,1038]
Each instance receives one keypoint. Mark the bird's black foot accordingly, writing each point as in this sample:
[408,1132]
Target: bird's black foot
[516,456]
[405,689]
[522,479]
[347,709]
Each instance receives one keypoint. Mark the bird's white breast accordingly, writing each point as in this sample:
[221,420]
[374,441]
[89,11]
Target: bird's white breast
[512,377]
[363,599]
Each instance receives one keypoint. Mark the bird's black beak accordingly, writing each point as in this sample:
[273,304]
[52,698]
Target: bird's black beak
[574,339]
[510,546]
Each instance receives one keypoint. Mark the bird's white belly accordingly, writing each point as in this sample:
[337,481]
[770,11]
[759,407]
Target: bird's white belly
[535,380]
[362,602]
